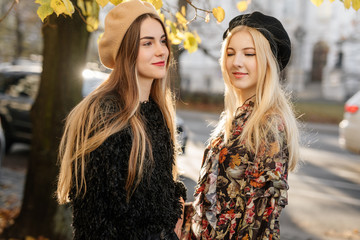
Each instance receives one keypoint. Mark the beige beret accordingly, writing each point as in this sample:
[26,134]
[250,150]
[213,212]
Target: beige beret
[117,22]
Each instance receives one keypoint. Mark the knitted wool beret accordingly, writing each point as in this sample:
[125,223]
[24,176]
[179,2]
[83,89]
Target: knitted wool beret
[271,29]
[117,22]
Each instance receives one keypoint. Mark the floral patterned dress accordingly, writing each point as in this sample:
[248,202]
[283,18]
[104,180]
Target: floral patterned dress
[239,195]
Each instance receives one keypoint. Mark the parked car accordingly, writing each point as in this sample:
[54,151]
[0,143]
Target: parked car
[2,144]
[18,89]
[182,133]
[349,127]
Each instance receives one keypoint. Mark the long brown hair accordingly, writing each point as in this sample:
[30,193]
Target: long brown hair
[89,124]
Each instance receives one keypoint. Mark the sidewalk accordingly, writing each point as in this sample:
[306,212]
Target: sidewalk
[14,166]
[12,179]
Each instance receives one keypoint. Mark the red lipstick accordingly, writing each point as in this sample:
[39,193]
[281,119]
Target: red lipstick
[159,64]
[239,74]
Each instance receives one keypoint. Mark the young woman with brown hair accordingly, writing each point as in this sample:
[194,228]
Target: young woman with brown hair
[117,152]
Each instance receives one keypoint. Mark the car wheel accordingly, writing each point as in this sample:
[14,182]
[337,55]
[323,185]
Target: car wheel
[8,140]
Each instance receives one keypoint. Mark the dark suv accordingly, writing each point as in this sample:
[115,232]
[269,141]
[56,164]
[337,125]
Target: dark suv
[18,89]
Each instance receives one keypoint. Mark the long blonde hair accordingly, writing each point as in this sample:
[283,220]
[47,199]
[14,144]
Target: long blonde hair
[271,105]
[90,123]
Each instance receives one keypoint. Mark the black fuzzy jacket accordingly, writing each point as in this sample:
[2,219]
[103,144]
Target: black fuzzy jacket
[154,207]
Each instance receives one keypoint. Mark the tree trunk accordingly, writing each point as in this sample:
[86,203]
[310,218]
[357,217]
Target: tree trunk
[175,70]
[64,56]
[19,35]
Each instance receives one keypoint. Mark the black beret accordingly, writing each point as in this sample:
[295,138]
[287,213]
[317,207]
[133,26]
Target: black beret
[273,31]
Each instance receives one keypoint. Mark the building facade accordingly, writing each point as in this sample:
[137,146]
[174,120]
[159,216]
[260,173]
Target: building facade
[325,47]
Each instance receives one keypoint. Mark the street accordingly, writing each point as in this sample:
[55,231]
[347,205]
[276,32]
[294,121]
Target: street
[324,195]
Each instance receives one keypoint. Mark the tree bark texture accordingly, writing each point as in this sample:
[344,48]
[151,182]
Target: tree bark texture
[175,75]
[64,56]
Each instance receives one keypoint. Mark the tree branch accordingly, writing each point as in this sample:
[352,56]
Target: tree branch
[207,53]
[8,11]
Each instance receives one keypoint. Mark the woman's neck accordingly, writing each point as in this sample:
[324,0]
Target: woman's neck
[145,88]
[245,96]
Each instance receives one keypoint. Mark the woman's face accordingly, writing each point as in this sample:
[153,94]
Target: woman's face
[241,63]
[153,52]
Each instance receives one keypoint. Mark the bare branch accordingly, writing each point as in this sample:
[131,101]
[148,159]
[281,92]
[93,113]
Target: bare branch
[196,11]
[8,11]
[197,8]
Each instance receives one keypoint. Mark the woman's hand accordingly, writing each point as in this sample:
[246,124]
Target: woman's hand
[178,227]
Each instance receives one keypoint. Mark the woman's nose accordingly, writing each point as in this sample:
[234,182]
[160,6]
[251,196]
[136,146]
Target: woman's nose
[161,50]
[238,60]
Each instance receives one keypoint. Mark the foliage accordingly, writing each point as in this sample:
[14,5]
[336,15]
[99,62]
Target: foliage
[355,4]
[176,24]
[177,28]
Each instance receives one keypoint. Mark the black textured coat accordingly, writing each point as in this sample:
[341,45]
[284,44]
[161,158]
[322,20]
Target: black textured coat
[154,207]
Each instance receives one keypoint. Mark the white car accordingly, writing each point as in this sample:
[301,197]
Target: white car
[349,127]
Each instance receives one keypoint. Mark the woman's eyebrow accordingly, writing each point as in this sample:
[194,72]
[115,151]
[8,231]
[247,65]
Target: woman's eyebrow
[150,37]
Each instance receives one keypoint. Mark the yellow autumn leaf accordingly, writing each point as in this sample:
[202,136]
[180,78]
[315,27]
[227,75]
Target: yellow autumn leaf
[156,3]
[174,40]
[242,6]
[180,18]
[102,3]
[168,22]
[62,6]
[317,2]
[116,2]
[198,39]
[219,14]
[81,5]
[89,9]
[69,7]
[180,35]
[190,43]
[183,10]
[331,0]
[173,27]
[43,2]
[347,3]
[92,23]
[44,10]
[95,9]
[356,4]
[162,17]
[29,238]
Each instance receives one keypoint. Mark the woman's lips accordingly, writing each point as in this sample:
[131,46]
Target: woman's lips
[239,74]
[160,64]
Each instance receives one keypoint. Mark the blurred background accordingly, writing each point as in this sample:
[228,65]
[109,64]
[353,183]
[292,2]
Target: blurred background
[323,77]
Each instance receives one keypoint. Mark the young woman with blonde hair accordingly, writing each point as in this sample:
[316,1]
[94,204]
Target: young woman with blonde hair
[243,186]
[117,152]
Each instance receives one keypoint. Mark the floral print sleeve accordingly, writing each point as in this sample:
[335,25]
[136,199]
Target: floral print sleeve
[249,192]
[265,193]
